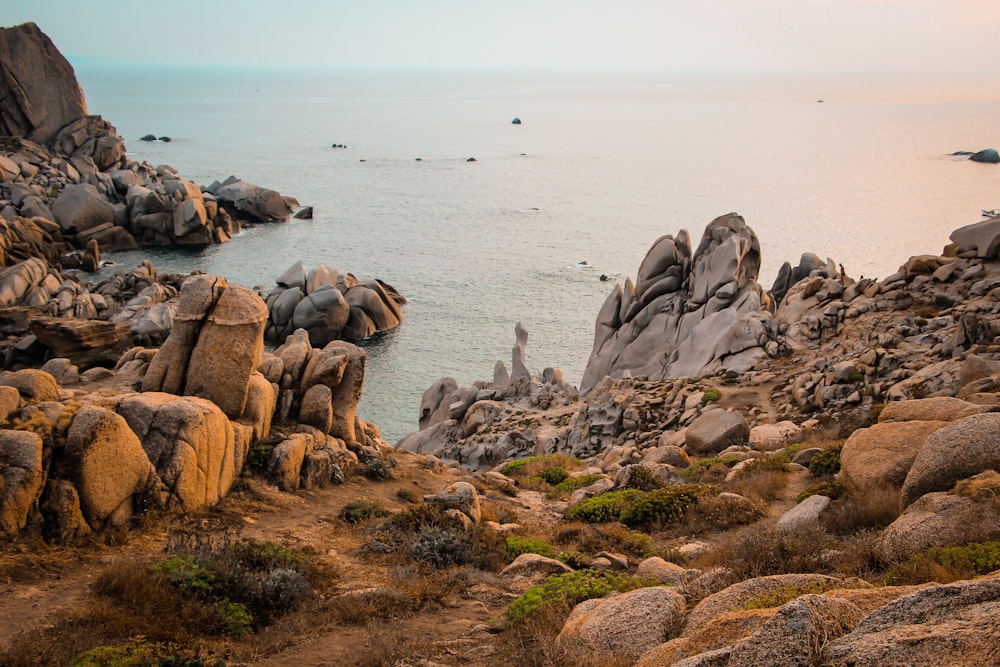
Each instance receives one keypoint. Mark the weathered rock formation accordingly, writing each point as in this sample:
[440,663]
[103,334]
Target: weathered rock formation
[39,94]
[330,305]
[688,313]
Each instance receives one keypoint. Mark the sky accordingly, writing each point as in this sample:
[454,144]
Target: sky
[850,35]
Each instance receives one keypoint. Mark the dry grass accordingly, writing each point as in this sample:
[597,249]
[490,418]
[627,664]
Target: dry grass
[759,552]
[762,480]
[391,647]
[593,538]
[857,511]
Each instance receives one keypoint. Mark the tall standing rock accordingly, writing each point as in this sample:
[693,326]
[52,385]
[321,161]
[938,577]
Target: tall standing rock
[688,313]
[39,93]
[229,349]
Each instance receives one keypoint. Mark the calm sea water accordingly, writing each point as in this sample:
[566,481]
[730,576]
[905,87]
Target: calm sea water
[601,166]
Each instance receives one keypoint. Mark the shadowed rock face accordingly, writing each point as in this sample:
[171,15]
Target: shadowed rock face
[687,313]
[39,93]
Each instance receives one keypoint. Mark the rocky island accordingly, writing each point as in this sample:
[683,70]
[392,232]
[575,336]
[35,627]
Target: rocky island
[800,475]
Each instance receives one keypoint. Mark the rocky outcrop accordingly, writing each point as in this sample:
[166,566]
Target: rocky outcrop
[330,305]
[21,473]
[252,202]
[688,313]
[39,94]
[940,520]
[951,624]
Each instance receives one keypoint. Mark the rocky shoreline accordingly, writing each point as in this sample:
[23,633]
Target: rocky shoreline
[151,395]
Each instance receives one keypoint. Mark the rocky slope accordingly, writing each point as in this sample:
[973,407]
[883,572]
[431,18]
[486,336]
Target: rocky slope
[800,475]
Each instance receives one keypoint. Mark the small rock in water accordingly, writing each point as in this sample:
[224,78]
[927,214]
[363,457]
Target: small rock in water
[471,159]
[165,140]
[148,137]
[516,121]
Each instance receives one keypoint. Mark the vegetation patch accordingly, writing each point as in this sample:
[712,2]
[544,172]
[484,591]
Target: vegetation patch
[425,534]
[832,489]
[359,511]
[710,469]
[946,564]
[593,538]
[786,594]
[710,395]
[666,506]
[827,462]
[605,507]
[537,465]
[138,652]
[568,590]
[571,484]
[517,545]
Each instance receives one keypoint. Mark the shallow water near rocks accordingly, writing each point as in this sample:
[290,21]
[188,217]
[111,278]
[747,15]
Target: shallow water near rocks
[600,167]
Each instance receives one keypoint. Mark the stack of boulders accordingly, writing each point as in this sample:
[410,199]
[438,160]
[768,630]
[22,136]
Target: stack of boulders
[330,305]
[173,428]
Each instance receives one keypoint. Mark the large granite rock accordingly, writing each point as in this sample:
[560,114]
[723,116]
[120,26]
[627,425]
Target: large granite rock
[20,479]
[251,201]
[106,463]
[190,442]
[688,313]
[953,624]
[625,625]
[879,457]
[940,520]
[981,237]
[959,450]
[39,93]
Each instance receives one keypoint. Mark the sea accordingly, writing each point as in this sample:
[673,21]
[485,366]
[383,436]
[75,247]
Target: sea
[482,223]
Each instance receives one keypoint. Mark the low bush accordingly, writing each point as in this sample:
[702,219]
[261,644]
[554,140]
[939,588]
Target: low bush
[571,484]
[536,465]
[664,507]
[406,495]
[710,395]
[827,462]
[553,476]
[605,507]
[643,478]
[710,470]
[832,489]
[946,564]
[425,534]
[359,511]
[854,511]
[592,538]
[378,469]
[517,545]
[762,479]
[763,552]
[780,596]
[564,591]
[138,652]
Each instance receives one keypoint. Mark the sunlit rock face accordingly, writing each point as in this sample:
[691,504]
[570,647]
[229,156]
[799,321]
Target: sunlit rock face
[39,93]
[687,313]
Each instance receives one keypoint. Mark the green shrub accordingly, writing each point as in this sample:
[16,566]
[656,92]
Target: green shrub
[597,537]
[426,535]
[574,559]
[642,478]
[359,511]
[517,545]
[571,484]
[245,583]
[259,455]
[710,395]
[946,564]
[408,496]
[827,462]
[570,589]
[138,652]
[787,593]
[665,506]
[553,476]
[831,489]
[378,469]
[697,470]
[605,507]
[535,465]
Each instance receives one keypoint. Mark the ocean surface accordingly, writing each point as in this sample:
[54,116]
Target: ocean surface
[855,167]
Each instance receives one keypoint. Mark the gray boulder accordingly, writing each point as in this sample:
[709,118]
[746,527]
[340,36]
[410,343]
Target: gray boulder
[625,625]
[879,457]
[81,207]
[954,452]
[939,520]
[983,237]
[716,430]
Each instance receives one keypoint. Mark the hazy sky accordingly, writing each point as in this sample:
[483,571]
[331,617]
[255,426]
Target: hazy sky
[959,35]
